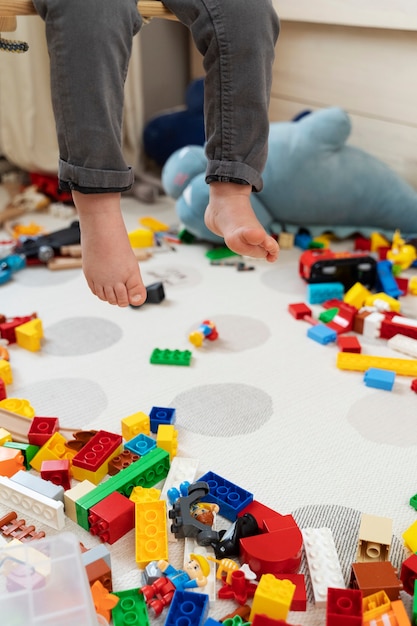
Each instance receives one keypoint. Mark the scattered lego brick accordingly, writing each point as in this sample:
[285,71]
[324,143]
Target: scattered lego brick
[171,357]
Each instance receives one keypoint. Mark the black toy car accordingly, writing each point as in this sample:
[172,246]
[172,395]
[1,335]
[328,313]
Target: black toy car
[45,247]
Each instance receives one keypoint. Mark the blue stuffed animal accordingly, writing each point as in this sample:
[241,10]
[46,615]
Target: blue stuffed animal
[312,179]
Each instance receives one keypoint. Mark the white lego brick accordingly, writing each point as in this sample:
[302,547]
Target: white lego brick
[181,469]
[372,325]
[323,562]
[33,504]
[38,484]
[403,344]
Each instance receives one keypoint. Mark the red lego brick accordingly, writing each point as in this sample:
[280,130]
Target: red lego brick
[349,343]
[396,324]
[299,310]
[112,517]
[362,243]
[299,600]
[3,391]
[277,550]
[41,430]
[413,385]
[8,328]
[344,607]
[57,472]
[97,450]
[408,573]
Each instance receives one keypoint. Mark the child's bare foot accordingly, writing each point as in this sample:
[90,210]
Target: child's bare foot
[229,214]
[109,263]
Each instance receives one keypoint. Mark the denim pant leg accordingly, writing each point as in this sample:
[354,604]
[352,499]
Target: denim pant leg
[237,40]
[89,44]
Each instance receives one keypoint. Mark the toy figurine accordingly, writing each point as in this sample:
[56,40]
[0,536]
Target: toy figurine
[206,330]
[159,594]
[204,512]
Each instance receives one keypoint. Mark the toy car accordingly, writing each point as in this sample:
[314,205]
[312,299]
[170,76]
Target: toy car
[44,247]
[324,266]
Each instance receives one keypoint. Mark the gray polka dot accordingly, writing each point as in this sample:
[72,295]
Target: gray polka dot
[40,276]
[222,410]
[67,399]
[172,276]
[379,421]
[236,333]
[76,336]
[281,280]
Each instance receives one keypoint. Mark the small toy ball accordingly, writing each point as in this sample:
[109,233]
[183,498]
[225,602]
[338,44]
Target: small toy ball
[206,330]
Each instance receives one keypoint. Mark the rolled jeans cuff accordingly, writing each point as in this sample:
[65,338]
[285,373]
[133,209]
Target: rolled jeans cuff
[88,180]
[232,171]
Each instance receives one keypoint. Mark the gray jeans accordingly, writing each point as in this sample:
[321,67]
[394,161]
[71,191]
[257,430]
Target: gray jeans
[89,44]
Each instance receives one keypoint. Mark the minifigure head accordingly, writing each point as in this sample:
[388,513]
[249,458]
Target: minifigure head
[197,566]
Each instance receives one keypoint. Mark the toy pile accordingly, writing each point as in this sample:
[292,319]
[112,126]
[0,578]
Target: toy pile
[112,483]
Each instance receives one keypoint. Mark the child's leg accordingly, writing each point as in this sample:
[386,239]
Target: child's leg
[237,39]
[109,264]
[89,44]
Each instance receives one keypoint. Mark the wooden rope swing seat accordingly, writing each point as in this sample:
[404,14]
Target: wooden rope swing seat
[10,9]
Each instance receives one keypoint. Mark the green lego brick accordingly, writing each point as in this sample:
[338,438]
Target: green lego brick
[27,449]
[171,357]
[149,470]
[131,609]
[220,253]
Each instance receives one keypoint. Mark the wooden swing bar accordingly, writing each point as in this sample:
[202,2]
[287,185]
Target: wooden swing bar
[147,9]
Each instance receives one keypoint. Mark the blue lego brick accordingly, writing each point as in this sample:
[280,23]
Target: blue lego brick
[131,609]
[212,622]
[385,280]
[379,379]
[303,240]
[161,415]
[230,498]
[317,293]
[322,334]
[186,608]
[141,444]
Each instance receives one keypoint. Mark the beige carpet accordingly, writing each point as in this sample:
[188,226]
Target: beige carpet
[263,406]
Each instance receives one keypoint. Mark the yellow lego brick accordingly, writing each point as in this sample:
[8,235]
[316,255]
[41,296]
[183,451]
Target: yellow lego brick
[356,295]
[53,450]
[167,439]
[136,424]
[272,597]
[145,494]
[29,335]
[410,537]
[393,304]
[97,476]
[141,238]
[151,536]
[155,225]
[362,362]
[4,436]
[378,241]
[6,372]
[20,406]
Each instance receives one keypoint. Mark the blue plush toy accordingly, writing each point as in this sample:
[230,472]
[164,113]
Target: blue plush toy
[312,179]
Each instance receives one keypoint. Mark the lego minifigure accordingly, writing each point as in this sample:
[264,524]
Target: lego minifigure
[159,594]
